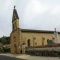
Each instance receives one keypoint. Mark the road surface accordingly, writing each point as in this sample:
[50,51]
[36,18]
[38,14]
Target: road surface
[9,58]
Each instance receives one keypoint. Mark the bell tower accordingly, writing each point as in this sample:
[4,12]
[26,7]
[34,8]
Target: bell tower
[15,35]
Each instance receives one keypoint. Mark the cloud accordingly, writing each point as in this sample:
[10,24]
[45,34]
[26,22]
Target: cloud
[41,14]
[34,7]
[33,14]
[55,9]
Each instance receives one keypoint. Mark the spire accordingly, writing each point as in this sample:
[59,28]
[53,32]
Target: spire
[15,14]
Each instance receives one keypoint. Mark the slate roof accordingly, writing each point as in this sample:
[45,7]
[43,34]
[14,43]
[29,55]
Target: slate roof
[15,15]
[37,31]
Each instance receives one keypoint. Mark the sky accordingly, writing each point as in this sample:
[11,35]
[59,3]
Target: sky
[33,14]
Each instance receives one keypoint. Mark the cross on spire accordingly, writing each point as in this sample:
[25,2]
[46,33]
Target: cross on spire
[14,6]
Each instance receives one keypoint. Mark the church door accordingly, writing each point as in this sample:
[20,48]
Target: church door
[28,42]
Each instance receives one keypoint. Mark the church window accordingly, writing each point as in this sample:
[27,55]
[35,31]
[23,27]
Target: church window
[43,40]
[49,42]
[35,43]
[53,38]
[14,39]
[34,38]
[13,26]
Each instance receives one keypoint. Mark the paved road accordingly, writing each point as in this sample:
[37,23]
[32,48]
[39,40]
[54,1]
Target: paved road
[9,58]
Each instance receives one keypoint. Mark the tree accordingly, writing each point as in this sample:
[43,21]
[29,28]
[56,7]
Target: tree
[5,40]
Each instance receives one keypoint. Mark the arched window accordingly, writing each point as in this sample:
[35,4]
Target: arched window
[43,40]
[34,38]
[49,42]
[14,39]
[13,26]
[28,42]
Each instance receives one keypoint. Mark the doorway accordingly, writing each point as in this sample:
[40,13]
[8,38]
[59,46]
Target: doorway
[28,42]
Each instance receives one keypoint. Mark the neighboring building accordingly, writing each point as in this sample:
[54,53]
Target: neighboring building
[21,38]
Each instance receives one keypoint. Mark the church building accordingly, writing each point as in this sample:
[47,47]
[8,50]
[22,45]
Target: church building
[22,38]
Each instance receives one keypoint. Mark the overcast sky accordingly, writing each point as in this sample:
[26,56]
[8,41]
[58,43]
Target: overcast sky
[33,14]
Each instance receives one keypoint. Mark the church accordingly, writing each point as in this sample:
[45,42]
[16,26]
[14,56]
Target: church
[22,38]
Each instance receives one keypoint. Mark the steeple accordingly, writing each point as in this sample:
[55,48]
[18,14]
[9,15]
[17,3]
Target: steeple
[15,14]
[15,19]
